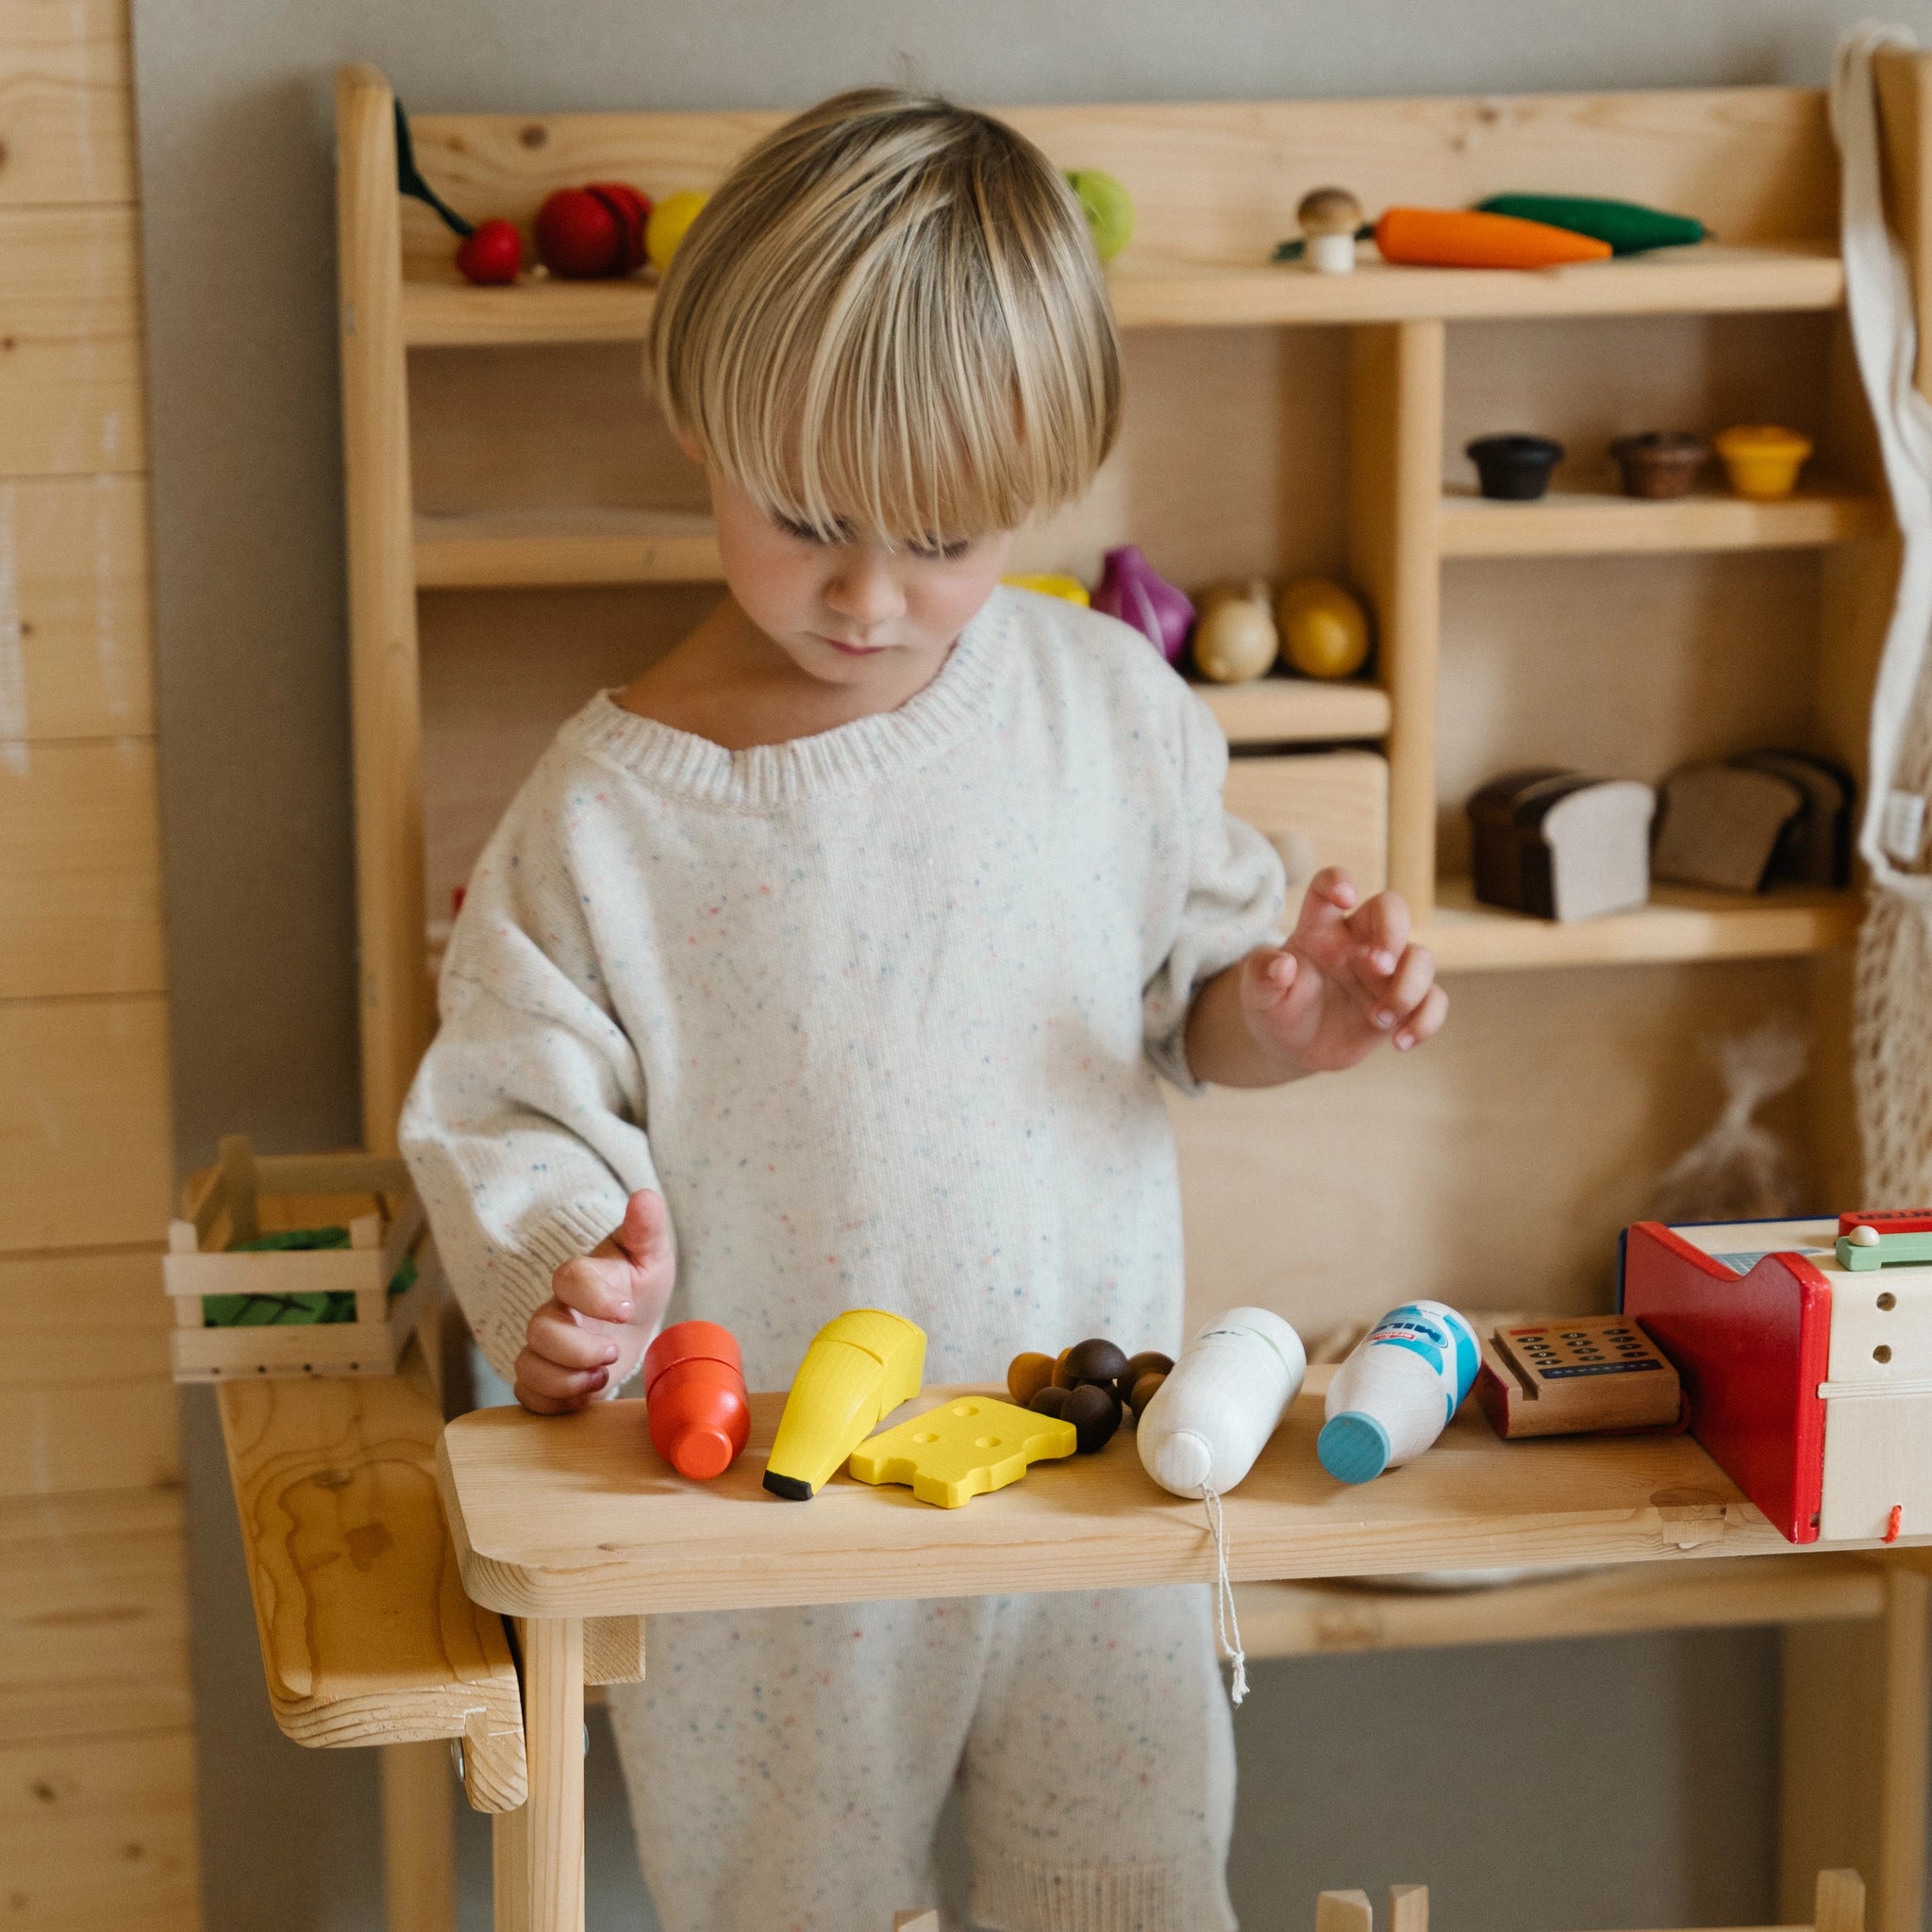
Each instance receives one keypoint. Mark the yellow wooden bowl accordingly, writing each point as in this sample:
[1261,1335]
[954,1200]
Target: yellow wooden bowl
[1762,460]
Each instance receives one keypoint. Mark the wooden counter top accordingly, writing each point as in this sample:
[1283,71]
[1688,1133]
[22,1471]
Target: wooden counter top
[577,1516]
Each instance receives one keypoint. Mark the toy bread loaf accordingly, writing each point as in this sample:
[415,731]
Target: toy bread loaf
[1207,1423]
[861,1365]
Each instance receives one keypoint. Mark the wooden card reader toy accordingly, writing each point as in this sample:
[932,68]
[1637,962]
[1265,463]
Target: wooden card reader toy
[861,1365]
[1575,1375]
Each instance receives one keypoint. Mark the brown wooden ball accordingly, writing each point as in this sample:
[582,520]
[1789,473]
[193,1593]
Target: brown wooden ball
[1026,1374]
[1143,1392]
[1049,1400]
[1150,1361]
[1094,1411]
[1094,1361]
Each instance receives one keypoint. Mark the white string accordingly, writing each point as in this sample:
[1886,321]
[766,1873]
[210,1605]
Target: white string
[1224,1618]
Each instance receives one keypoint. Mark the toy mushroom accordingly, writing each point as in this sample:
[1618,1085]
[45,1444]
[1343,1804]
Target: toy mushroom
[1329,218]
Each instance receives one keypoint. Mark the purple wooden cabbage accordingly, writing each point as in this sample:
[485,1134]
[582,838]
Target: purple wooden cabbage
[1132,589]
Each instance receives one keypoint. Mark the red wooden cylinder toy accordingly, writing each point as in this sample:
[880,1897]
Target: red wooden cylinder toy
[694,1389]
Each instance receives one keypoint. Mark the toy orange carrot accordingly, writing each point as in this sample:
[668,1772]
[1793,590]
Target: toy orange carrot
[1463,237]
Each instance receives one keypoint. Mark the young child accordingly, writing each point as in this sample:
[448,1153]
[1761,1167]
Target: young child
[830,964]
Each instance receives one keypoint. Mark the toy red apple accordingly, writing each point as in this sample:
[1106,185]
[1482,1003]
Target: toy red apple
[493,251]
[584,233]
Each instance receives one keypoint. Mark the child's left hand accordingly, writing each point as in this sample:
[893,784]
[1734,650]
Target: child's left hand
[1347,979]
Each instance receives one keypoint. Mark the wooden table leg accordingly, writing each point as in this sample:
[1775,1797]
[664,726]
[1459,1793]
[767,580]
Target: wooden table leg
[418,1846]
[1857,1704]
[553,1736]
[509,1870]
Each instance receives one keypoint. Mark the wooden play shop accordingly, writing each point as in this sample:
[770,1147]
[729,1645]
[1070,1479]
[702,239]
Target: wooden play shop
[521,531]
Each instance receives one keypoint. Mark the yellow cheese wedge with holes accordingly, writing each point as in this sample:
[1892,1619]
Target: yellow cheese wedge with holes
[964,1448]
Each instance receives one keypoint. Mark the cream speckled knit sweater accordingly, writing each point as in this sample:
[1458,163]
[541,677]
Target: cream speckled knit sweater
[878,1012]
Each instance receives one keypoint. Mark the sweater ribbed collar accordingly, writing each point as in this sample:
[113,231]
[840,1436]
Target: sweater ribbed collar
[846,759]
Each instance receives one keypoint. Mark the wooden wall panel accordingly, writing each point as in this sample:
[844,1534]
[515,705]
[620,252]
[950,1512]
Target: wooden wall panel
[66,102]
[70,342]
[72,1435]
[86,1156]
[94,1616]
[74,610]
[99,1834]
[109,1301]
[80,870]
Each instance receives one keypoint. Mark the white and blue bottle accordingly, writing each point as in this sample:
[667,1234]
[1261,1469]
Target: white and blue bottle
[1395,1394]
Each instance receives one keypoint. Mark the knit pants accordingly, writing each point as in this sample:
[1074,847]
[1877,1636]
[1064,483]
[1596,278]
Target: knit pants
[786,1767]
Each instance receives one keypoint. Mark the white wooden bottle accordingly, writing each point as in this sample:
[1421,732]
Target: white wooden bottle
[1221,1401]
[1395,1394]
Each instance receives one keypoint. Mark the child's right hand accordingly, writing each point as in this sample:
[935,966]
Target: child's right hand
[591,1335]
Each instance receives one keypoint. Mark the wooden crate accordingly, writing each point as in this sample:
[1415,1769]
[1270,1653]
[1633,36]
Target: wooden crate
[224,1206]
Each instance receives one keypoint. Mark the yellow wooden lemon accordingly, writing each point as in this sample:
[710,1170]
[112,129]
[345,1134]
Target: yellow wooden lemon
[669,220]
[1324,630]
[1051,584]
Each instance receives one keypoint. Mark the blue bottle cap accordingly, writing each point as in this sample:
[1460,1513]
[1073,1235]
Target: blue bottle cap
[1354,1447]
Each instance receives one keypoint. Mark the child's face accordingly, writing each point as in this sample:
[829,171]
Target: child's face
[852,613]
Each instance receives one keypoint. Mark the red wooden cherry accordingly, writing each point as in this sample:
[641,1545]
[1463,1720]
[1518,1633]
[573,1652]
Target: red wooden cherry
[491,251]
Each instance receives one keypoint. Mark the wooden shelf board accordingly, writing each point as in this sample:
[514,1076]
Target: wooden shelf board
[1581,523]
[1292,710]
[507,548]
[1676,925]
[1153,293]
[1312,1618]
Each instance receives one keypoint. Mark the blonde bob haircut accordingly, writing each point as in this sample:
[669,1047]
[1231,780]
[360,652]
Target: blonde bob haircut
[890,317]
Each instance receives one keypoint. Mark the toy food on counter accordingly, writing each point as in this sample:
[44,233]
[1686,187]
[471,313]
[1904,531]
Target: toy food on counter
[1515,468]
[1765,818]
[1559,846]
[1396,1391]
[1465,238]
[668,222]
[587,234]
[962,1449]
[1109,208]
[1132,589]
[1235,637]
[1324,630]
[1092,1384]
[694,1389]
[1218,1405]
[861,1365]
[1628,226]
[1660,463]
[1763,461]
[1050,584]
[1573,1375]
[1329,219]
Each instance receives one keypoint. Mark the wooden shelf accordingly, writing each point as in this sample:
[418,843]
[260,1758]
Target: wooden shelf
[1676,925]
[504,549]
[1295,710]
[1314,1619]
[1151,293]
[1577,523]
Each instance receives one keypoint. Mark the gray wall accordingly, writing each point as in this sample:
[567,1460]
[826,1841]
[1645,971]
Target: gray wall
[1356,1771]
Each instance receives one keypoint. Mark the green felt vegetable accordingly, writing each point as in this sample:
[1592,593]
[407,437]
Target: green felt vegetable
[317,1309]
[1627,226]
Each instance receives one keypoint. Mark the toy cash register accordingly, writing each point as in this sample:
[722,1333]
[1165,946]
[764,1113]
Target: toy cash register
[1805,1352]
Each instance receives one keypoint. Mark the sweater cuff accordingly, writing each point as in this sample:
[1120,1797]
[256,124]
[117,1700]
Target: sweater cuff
[516,1281]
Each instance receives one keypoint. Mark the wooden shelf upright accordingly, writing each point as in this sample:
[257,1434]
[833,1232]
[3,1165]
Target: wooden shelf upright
[451,532]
